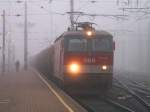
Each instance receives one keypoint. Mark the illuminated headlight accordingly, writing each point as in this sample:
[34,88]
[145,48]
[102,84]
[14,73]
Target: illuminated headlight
[89,33]
[74,68]
[104,67]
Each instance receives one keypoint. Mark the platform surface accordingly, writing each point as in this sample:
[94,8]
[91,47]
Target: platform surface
[26,92]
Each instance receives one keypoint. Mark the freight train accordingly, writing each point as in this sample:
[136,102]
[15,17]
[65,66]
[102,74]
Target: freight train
[80,60]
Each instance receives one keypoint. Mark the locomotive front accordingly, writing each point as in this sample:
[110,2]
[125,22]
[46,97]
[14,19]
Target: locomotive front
[88,61]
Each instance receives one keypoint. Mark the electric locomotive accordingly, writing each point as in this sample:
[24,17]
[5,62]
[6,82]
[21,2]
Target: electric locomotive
[82,59]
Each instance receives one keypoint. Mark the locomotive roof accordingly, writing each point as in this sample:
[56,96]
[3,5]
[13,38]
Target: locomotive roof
[78,33]
[101,32]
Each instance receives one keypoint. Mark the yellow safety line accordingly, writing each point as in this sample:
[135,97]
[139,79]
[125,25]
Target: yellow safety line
[55,93]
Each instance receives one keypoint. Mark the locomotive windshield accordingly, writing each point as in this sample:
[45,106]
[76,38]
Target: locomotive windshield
[81,44]
[77,44]
[102,44]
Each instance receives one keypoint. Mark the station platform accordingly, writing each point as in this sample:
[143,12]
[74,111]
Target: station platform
[28,91]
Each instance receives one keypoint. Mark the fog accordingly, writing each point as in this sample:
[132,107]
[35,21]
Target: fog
[47,19]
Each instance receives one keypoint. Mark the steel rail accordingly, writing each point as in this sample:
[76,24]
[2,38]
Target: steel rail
[137,97]
[124,108]
[114,104]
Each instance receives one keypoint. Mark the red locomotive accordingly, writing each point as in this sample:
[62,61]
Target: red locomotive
[82,60]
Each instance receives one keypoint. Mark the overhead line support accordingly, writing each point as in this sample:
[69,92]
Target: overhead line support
[3,48]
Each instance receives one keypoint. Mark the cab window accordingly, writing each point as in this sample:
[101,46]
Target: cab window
[77,44]
[102,44]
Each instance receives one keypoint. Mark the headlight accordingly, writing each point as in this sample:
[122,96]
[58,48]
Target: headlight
[89,33]
[74,68]
[104,67]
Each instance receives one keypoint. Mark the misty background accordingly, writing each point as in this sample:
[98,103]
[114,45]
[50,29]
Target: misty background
[47,19]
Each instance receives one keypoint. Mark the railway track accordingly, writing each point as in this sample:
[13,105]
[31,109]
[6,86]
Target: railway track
[138,88]
[142,91]
[138,91]
[99,104]
[135,100]
[143,95]
[132,99]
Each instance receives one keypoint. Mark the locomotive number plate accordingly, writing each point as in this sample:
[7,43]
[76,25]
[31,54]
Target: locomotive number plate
[89,60]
